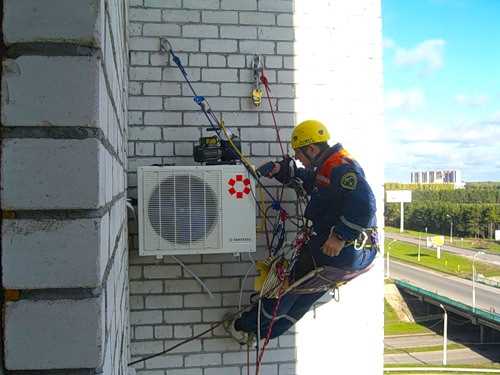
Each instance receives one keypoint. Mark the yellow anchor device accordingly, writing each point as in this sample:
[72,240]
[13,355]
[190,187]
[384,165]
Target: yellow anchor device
[257,71]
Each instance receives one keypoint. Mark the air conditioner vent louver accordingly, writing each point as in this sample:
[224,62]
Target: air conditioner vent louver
[195,210]
[183,209]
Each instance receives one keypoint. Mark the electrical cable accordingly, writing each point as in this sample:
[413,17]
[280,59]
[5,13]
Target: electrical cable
[203,285]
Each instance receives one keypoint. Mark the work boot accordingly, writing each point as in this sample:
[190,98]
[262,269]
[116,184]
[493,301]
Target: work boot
[241,337]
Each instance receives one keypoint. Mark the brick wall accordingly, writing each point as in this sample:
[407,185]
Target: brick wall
[216,40]
[64,130]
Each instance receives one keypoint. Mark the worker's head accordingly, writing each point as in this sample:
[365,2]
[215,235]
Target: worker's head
[309,140]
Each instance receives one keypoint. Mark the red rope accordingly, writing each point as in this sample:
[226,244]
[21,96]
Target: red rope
[265,82]
[269,330]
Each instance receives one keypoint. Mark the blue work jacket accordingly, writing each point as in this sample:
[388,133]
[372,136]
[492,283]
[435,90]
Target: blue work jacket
[340,196]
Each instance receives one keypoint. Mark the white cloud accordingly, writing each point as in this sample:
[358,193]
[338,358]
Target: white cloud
[428,55]
[472,100]
[389,43]
[472,148]
[399,99]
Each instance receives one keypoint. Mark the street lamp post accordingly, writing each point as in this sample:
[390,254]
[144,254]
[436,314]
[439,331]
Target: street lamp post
[445,336]
[451,228]
[474,279]
[418,247]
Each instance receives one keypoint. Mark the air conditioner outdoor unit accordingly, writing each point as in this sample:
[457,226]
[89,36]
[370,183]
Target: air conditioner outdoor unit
[196,210]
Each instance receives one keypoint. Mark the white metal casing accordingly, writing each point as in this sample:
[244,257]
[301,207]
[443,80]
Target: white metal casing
[196,210]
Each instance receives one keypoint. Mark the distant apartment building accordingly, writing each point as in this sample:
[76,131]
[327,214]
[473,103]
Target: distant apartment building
[451,176]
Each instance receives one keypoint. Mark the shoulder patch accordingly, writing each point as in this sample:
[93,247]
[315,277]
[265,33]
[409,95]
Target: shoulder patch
[349,181]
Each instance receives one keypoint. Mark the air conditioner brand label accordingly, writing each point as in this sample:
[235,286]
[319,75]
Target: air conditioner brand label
[242,239]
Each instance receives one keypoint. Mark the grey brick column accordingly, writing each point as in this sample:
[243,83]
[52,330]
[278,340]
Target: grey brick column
[64,238]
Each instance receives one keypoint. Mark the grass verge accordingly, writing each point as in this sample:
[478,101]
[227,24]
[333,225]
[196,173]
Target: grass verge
[393,326]
[419,349]
[449,263]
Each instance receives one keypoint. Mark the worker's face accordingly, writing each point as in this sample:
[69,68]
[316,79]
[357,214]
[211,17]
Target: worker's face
[300,155]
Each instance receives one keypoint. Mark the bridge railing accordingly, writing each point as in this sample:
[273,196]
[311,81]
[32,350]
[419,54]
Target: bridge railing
[480,313]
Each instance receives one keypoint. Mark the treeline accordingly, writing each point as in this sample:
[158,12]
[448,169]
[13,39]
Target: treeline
[431,187]
[472,195]
[469,220]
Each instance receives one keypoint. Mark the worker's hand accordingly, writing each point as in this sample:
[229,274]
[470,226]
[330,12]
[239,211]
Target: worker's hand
[269,169]
[332,246]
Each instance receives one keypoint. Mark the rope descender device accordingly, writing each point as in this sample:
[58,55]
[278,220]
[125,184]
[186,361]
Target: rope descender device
[257,71]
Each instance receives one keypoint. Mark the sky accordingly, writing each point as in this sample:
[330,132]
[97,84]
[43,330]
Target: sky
[442,87]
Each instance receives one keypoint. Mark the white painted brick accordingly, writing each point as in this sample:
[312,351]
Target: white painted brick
[183,331]
[145,15]
[202,300]
[218,45]
[184,44]
[135,88]
[236,358]
[164,332]
[216,61]
[30,98]
[191,347]
[139,58]
[259,47]
[135,118]
[181,134]
[164,149]
[283,120]
[145,103]
[257,18]
[236,89]
[224,104]
[29,21]
[236,61]
[286,76]
[223,285]
[162,3]
[144,333]
[187,371]
[200,31]
[133,3]
[144,148]
[239,4]
[161,88]
[285,19]
[148,133]
[173,74]
[203,360]
[219,17]
[144,44]
[266,369]
[162,118]
[233,299]
[286,105]
[182,286]
[162,272]
[222,370]
[246,75]
[201,4]
[163,361]
[145,347]
[285,48]
[220,75]
[276,5]
[137,303]
[146,287]
[196,59]
[145,74]
[263,134]
[182,316]
[288,62]
[152,29]
[59,254]
[168,302]
[183,148]
[238,32]
[135,29]
[33,326]
[185,16]
[213,315]
[260,149]
[195,118]
[179,104]
[48,163]
[276,33]
[287,341]
[287,369]
[134,272]
[273,62]
[208,89]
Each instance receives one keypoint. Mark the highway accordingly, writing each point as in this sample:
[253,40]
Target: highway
[486,257]
[487,298]
[456,356]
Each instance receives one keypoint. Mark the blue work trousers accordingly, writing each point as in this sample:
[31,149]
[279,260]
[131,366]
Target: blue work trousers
[292,306]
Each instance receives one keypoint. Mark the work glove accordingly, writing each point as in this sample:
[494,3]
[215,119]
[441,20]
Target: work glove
[266,169]
[286,171]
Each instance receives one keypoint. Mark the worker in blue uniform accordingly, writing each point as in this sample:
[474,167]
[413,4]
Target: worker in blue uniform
[341,209]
